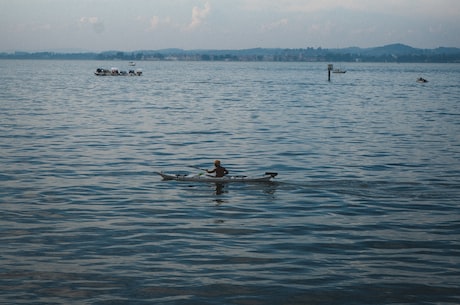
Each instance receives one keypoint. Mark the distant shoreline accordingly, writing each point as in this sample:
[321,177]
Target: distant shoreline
[389,53]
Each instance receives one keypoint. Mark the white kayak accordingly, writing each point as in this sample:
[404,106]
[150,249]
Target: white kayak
[206,178]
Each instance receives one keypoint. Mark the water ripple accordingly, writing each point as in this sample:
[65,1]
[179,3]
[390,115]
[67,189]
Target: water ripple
[364,210]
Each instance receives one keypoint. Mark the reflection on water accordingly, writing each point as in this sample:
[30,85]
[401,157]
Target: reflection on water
[219,188]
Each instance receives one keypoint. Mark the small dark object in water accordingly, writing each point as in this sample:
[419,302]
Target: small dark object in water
[421,80]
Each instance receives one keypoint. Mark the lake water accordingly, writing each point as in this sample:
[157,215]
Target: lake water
[365,209]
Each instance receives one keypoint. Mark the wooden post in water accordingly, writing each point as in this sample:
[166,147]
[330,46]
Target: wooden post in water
[329,69]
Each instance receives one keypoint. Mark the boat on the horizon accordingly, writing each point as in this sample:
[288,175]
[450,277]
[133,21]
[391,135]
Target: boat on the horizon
[117,72]
[339,71]
[421,80]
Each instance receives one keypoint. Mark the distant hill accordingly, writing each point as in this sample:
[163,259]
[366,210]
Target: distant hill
[393,49]
[397,49]
[389,53]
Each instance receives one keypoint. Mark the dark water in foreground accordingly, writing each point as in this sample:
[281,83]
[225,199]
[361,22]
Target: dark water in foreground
[365,209]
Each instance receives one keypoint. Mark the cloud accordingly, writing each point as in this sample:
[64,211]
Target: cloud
[25,27]
[97,25]
[198,15]
[322,29]
[155,22]
[274,25]
[90,20]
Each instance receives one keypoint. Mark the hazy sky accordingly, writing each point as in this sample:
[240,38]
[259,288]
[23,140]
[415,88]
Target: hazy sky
[97,25]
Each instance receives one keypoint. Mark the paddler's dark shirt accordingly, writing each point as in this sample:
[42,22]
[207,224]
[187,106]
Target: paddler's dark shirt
[220,171]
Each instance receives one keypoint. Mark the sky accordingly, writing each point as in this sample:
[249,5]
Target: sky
[129,25]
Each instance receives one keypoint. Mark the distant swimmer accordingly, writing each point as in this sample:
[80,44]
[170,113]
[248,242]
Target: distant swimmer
[218,169]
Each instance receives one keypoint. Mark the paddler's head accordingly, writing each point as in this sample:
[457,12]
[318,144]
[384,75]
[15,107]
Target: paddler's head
[217,163]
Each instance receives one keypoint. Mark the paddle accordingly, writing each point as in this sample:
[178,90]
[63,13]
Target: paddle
[201,169]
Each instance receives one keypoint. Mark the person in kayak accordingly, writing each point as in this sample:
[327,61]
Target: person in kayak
[218,169]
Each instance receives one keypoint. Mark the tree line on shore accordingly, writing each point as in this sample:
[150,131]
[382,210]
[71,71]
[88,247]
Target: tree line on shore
[389,53]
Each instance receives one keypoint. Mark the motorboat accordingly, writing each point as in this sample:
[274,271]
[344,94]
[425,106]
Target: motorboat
[421,80]
[117,72]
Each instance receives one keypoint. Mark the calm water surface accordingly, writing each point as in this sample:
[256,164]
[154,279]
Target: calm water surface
[365,209]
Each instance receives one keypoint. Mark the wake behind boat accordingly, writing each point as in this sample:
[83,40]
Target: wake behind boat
[226,179]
